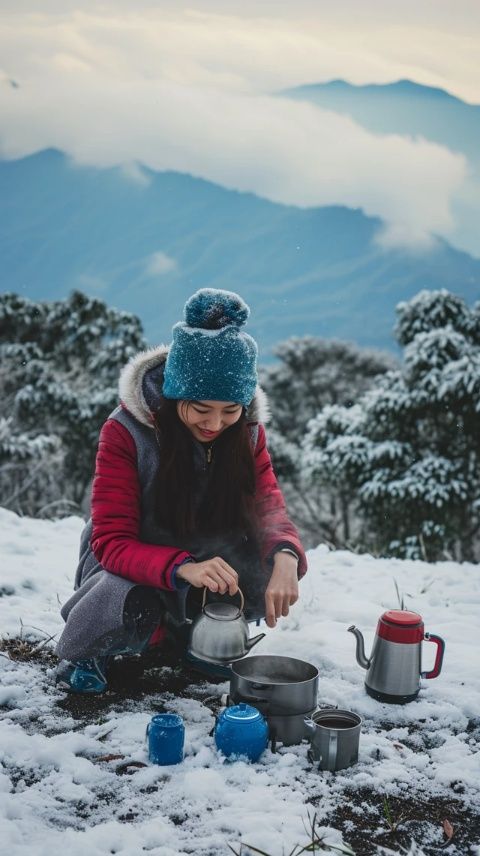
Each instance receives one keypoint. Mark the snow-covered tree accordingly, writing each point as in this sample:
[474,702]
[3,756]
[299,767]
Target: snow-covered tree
[60,365]
[310,374]
[408,453]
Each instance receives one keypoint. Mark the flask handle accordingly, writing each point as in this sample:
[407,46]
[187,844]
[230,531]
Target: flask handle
[439,642]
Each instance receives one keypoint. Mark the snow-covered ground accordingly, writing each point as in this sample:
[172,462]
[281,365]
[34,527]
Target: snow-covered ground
[55,797]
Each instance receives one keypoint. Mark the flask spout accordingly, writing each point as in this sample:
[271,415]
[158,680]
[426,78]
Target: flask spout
[362,660]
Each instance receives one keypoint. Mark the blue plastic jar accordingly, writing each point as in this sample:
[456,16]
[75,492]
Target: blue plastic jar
[165,737]
[241,730]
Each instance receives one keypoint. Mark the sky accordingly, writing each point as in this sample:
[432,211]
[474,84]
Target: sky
[194,87]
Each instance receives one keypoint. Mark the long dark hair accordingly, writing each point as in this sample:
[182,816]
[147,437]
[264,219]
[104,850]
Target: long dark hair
[228,504]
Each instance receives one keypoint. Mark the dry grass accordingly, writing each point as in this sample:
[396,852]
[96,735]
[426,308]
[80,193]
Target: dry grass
[25,650]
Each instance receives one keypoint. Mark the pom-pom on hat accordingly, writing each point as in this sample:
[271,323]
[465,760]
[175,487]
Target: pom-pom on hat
[211,358]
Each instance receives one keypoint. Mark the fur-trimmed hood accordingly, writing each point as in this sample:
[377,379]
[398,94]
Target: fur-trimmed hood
[141,382]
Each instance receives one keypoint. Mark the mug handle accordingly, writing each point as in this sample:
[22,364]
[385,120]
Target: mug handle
[242,599]
[439,642]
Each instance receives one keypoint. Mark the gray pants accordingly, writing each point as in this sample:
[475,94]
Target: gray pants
[108,615]
[111,615]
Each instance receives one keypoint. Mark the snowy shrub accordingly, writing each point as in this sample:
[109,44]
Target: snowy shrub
[407,453]
[60,365]
[312,374]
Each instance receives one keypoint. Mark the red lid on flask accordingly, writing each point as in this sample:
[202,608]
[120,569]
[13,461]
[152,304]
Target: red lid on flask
[400,625]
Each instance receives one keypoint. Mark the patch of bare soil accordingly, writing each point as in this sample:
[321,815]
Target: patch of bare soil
[370,822]
[158,672]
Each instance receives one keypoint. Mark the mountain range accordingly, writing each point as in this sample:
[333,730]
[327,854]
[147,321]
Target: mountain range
[145,240]
[410,109]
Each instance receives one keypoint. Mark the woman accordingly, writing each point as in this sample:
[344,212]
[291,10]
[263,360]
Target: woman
[184,497]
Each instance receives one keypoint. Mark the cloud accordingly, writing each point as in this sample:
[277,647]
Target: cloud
[286,151]
[159,264]
[250,44]
[186,91]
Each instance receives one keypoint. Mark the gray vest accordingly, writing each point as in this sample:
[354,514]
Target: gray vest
[235,548]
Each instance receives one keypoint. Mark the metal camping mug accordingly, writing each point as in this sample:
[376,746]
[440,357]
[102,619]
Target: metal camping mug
[335,737]
[166,736]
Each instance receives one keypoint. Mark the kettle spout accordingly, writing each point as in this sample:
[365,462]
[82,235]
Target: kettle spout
[252,642]
[362,660]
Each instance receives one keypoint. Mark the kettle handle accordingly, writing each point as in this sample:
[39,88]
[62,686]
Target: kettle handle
[242,599]
[439,642]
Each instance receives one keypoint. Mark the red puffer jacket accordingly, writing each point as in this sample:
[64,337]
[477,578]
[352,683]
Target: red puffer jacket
[116,513]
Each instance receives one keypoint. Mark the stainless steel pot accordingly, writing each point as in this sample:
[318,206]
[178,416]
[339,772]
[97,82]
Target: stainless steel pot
[276,685]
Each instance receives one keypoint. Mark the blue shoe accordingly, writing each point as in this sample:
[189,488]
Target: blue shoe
[84,676]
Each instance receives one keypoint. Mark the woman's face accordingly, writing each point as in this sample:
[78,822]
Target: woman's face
[207,419]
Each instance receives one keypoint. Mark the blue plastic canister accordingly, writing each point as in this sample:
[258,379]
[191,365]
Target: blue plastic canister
[241,730]
[165,736]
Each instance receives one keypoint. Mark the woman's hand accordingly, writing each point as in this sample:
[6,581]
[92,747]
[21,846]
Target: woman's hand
[282,590]
[216,574]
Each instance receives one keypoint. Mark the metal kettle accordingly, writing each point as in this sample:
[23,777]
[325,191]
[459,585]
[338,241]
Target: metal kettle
[394,667]
[219,633]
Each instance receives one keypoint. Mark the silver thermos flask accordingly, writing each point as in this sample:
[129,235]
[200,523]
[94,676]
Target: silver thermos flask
[394,667]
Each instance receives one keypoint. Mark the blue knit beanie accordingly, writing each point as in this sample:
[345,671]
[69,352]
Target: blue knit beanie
[210,358]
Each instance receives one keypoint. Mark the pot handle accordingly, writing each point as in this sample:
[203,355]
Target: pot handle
[439,642]
[242,599]
[261,688]
[253,700]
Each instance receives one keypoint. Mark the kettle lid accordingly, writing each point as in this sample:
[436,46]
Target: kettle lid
[242,713]
[222,611]
[402,617]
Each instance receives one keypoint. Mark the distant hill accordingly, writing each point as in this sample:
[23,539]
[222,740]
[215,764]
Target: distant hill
[410,109]
[145,242]
[403,107]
